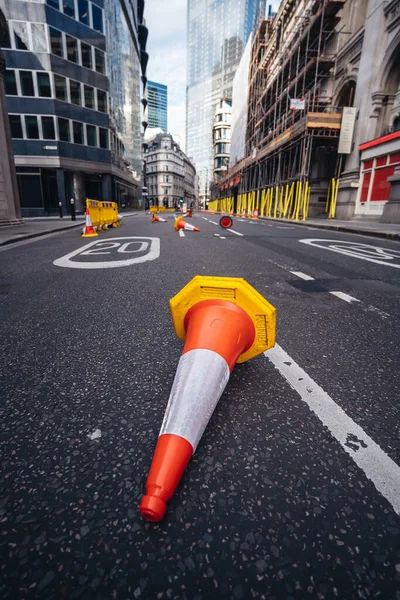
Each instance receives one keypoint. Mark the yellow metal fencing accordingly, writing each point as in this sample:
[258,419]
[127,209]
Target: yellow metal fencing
[157,209]
[103,214]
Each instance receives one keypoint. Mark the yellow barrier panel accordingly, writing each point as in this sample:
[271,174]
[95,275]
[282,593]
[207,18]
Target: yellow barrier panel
[94,207]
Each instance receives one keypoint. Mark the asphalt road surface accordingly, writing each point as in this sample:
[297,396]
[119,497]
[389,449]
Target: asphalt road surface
[294,491]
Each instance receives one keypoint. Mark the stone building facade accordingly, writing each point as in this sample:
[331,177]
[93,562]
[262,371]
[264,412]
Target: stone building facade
[169,173]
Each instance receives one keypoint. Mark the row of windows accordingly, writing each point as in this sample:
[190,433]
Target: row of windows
[83,11]
[37,37]
[32,127]
[39,84]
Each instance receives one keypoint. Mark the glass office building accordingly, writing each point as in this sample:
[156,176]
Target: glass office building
[73,85]
[158,105]
[217,34]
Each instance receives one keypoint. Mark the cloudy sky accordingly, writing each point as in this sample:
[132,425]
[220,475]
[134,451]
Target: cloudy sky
[166,46]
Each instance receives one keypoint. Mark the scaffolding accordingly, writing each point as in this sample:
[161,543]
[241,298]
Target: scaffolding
[286,147]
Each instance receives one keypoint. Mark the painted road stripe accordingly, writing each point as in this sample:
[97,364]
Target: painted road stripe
[181,233]
[213,222]
[368,456]
[340,295]
[235,232]
[345,297]
[205,218]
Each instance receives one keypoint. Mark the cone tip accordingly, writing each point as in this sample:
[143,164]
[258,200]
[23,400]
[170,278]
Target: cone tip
[152,508]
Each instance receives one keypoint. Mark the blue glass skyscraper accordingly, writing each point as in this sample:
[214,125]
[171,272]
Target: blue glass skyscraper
[158,105]
[217,34]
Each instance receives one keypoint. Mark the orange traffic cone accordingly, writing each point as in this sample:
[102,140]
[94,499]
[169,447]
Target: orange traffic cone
[89,230]
[255,216]
[156,218]
[180,224]
[217,334]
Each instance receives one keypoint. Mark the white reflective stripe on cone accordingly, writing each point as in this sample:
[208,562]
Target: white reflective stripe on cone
[200,380]
[189,227]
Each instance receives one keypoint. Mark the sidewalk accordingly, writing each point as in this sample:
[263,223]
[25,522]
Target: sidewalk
[32,228]
[372,228]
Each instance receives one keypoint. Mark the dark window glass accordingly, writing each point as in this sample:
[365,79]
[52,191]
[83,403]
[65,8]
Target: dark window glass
[21,35]
[91,135]
[61,87]
[6,39]
[86,55]
[16,127]
[97,18]
[72,49]
[83,9]
[78,132]
[10,82]
[101,101]
[48,128]
[68,8]
[89,97]
[56,42]
[43,81]
[32,129]
[54,4]
[103,136]
[99,60]
[63,129]
[26,80]
[75,92]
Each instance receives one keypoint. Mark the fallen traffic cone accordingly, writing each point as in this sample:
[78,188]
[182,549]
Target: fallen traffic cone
[156,218]
[189,213]
[180,224]
[217,333]
[89,230]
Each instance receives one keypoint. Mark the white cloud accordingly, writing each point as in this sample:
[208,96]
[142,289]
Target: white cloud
[167,50]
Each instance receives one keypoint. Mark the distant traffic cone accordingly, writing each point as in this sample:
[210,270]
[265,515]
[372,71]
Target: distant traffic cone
[188,213]
[217,334]
[89,230]
[180,224]
[156,218]
[255,216]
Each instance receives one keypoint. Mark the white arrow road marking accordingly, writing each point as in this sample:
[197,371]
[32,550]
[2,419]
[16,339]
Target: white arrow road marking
[369,457]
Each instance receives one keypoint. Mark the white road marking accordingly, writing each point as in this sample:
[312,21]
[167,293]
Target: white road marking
[375,254]
[380,312]
[302,275]
[369,457]
[95,435]
[97,247]
[345,297]
[205,218]
[181,233]
[235,232]
[221,237]
[216,234]
[340,295]
[213,222]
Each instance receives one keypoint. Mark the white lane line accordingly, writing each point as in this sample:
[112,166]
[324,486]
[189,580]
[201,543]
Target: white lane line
[340,295]
[213,222]
[216,234]
[235,232]
[205,218]
[181,233]
[345,297]
[302,275]
[378,311]
[368,456]
[221,237]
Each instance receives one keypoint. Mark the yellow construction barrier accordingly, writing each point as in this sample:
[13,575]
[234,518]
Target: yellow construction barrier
[94,207]
[103,214]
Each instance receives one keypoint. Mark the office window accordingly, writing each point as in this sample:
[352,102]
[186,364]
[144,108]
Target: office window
[21,35]
[75,92]
[60,85]
[56,42]
[54,4]
[97,18]
[72,49]
[99,60]
[39,41]
[15,126]
[83,10]
[10,82]
[101,101]
[103,137]
[86,52]
[78,132]
[6,40]
[43,82]
[68,8]
[89,96]
[91,135]
[26,81]
[63,129]
[48,128]
[32,129]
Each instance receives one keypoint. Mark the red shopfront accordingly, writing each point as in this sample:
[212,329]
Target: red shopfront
[379,158]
